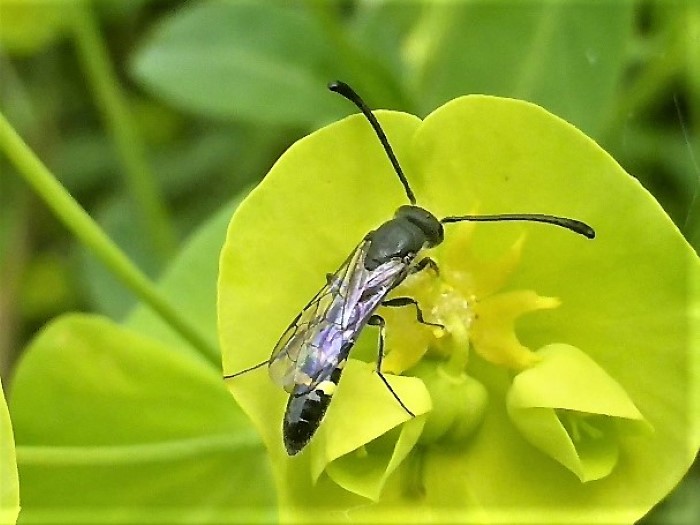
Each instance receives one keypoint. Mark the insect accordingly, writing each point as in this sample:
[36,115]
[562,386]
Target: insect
[308,359]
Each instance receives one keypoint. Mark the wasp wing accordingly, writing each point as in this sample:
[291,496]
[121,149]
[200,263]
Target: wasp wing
[321,336]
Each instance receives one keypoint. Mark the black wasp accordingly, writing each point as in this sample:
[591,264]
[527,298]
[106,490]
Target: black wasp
[308,359]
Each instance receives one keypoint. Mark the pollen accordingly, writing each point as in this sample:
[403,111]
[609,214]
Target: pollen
[468,299]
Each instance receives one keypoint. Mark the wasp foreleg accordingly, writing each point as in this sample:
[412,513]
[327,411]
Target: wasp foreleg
[425,262]
[406,301]
[377,320]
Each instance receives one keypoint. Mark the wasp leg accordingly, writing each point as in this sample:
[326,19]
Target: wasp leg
[425,262]
[377,320]
[406,301]
[249,369]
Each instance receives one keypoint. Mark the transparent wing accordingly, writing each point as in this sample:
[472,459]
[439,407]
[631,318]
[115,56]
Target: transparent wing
[323,333]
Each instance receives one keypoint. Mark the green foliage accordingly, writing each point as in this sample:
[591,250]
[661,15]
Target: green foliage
[190,284]
[9,482]
[137,426]
[212,59]
[136,417]
[567,57]
[158,117]
[29,26]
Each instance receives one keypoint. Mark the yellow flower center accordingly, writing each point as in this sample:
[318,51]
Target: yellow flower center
[466,299]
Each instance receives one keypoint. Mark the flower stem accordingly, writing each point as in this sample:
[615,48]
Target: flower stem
[116,114]
[76,219]
[656,75]
[459,356]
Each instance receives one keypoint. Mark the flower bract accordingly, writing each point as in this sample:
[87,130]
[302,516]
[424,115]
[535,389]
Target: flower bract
[622,303]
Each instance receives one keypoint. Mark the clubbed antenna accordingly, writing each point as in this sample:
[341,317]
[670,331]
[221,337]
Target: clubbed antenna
[570,224]
[343,89]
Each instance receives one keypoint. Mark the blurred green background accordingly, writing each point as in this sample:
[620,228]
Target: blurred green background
[155,114]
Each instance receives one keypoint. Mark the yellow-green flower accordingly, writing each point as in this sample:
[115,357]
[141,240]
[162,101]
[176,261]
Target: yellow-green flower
[526,308]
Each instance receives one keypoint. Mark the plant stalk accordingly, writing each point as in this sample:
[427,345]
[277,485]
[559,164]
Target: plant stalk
[77,220]
[116,114]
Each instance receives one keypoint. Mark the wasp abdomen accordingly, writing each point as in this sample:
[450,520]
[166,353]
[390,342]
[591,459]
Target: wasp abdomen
[305,410]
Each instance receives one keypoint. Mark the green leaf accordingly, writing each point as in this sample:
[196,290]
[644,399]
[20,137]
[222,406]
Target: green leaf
[27,27]
[9,481]
[86,162]
[626,301]
[682,507]
[106,292]
[190,284]
[112,425]
[143,420]
[239,60]
[46,286]
[565,56]
[669,169]
[380,27]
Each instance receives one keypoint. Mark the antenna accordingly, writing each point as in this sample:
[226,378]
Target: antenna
[570,224]
[249,369]
[346,91]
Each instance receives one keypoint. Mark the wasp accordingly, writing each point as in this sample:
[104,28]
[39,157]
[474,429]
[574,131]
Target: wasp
[309,357]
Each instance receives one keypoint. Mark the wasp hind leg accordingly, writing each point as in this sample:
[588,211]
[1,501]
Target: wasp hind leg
[377,320]
[398,302]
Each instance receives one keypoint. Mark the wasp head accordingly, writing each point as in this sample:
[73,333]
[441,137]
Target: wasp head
[423,219]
